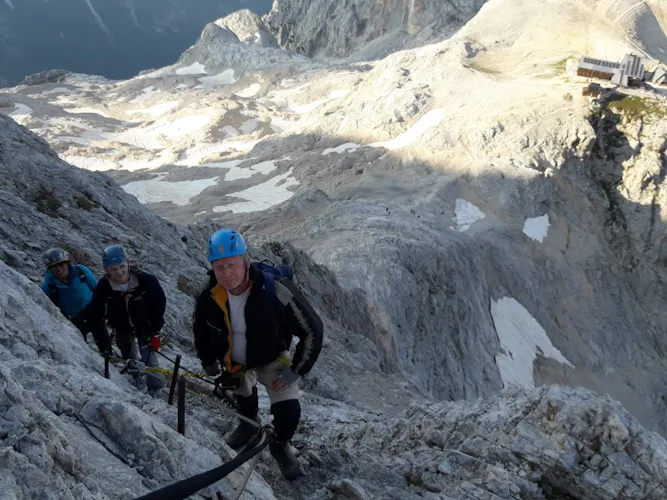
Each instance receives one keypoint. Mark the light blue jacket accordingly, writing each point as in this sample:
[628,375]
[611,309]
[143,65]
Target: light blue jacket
[75,294]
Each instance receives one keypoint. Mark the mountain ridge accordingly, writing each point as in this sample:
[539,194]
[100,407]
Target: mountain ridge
[101,38]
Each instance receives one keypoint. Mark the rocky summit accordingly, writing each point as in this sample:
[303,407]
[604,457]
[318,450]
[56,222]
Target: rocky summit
[484,242]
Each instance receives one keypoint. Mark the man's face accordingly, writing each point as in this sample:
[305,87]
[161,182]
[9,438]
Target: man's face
[60,270]
[120,273]
[230,271]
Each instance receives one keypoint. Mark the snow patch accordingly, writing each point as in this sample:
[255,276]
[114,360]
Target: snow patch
[349,147]
[92,164]
[145,94]
[466,214]
[20,110]
[262,196]
[194,155]
[264,167]
[280,125]
[337,94]
[248,126]
[193,69]
[224,78]
[306,108]
[86,133]
[57,90]
[243,146]
[223,164]
[158,109]
[249,91]
[79,111]
[153,137]
[537,227]
[139,138]
[63,100]
[158,190]
[235,173]
[520,337]
[166,157]
[229,130]
[414,133]
[134,165]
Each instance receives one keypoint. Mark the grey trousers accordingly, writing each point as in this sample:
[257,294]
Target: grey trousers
[147,356]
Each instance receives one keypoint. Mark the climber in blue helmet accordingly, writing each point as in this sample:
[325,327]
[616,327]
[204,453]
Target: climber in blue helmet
[133,303]
[244,320]
[70,287]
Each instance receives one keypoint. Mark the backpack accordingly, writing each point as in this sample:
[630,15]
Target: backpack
[271,272]
[53,288]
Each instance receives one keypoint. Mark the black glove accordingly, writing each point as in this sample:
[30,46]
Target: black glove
[228,381]
[213,369]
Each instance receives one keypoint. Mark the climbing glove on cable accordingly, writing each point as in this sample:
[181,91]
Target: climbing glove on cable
[228,381]
[133,367]
[213,369]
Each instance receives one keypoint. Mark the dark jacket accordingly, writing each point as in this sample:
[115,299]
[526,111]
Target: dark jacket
[270,324]
[140,310]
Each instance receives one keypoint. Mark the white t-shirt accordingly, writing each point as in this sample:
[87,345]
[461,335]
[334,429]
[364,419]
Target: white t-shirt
[237,319]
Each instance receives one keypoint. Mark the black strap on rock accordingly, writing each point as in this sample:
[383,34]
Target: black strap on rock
[183,489]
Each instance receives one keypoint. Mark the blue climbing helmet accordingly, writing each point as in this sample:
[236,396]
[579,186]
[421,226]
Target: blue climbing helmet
[114,254]
[225,243]
[55,256]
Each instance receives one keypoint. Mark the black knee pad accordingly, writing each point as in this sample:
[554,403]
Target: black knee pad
[286,415]
[249,406]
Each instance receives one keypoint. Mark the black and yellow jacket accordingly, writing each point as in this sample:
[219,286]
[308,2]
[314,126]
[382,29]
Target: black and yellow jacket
[270,324]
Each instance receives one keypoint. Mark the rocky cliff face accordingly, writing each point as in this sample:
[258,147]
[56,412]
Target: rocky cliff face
[47,203]
[549,443]
[248,27]
[460,208]
[488,256]
[338,29]
[70,433]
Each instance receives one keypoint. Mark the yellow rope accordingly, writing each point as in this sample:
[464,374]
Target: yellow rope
[166,371]
[157,369]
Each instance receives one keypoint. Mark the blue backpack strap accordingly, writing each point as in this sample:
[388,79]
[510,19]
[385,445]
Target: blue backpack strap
[83,277]
[270,285]
[270,273]
[54,293]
